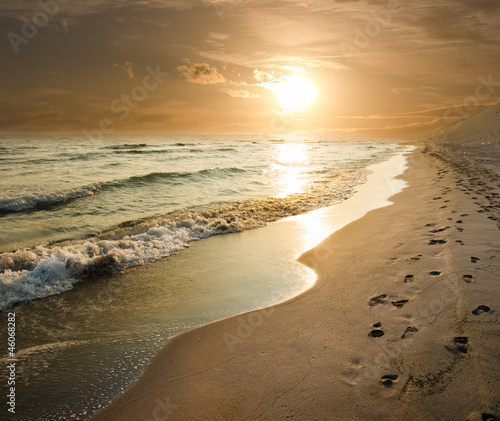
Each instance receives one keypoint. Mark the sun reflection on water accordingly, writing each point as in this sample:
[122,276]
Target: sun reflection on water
[291,167]
[315,227]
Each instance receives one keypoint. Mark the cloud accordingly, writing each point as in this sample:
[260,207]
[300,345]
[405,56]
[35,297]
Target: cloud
[218,36]
[262,76]
[25,9]
[200,73]
[217,39]
[295,69]
[126,68]
[253,59]
[48,73]
[430,114]
[240,93]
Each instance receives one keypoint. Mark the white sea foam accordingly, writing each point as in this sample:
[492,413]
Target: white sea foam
[44,271]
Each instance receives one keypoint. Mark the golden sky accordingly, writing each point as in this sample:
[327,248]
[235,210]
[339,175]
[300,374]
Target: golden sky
[391,68]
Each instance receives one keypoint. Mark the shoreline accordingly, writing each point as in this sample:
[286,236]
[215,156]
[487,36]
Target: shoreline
[322,354]
[128,316]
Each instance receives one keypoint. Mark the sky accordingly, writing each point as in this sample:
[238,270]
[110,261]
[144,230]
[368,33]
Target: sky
[371,68]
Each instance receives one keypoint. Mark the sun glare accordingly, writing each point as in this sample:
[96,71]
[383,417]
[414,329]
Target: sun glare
[295,93]
[290,167]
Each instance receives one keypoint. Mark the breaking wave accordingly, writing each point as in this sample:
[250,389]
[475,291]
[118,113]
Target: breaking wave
[47,270]
[42,201]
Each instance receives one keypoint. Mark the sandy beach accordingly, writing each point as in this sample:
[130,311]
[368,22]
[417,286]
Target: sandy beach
[402,322]
[250,210]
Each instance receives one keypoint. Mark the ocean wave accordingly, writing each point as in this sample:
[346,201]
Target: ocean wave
[157,151]
[92,156]
[26,148]
[144,152]
[175,175]
[47,270]
[46,200]
[126,146]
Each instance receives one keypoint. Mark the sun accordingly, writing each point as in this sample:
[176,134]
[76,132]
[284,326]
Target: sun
[295,93]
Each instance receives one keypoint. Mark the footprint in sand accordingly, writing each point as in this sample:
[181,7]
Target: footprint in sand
[376,333]
[399,303]
[409,332]
[379,299]
[433,242]
[468,278]
[409,278]
[481,310]
[462,344]
[474,259]
[352,374]
[459,345]
[435,231]
[388,380]
[434,273]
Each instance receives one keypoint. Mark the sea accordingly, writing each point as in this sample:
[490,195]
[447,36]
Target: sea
[76,212]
